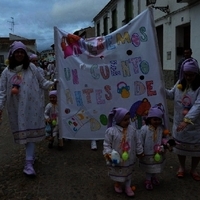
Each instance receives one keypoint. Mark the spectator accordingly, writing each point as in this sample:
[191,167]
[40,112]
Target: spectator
[51,69]
[186,54]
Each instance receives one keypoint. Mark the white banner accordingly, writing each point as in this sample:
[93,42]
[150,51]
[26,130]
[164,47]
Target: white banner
[121,69]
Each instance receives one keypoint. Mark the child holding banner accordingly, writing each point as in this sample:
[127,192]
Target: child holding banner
[120,147]
[51,117]
[151,135]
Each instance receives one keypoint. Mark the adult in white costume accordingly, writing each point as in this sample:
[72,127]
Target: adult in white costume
[186,125]
[20,90]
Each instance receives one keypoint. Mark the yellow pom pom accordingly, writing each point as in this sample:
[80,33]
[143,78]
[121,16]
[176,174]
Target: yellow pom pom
[7,62]
[179,86]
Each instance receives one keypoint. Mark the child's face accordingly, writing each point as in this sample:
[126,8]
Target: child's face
[125,121]
[53,99]
[189,76]
[155,122]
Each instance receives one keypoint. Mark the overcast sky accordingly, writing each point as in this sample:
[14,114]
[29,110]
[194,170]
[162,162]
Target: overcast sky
[35,19]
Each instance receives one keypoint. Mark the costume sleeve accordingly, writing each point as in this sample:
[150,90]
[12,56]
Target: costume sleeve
[3,89]
[47,111]
[194,111]
[41,71]
[171,93]
[44,83]
[107,144]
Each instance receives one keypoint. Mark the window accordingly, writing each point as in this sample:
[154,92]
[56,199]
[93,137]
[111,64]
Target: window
[1,59]
[105,25]
[128,10]
[114,20]
[98,29]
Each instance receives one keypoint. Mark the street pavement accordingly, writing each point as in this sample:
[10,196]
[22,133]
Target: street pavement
[78,173]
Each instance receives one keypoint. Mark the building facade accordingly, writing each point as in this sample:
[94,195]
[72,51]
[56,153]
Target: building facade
[176,24]
[88,32]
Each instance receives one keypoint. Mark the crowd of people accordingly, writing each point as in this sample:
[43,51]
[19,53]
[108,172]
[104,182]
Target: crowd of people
[22,86]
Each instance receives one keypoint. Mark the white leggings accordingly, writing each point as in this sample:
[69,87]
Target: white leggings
[30,151]
[128,183]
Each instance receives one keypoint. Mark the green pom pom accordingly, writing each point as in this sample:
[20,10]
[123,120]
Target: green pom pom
[157,157]
[125,156]
[54,122]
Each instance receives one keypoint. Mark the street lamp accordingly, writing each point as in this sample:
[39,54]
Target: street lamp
[164,9]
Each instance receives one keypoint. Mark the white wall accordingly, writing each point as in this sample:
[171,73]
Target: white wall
[180,14]
[195,31]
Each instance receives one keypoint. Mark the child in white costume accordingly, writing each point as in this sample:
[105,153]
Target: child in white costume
[152,135]
[121,137]
[34,60]
[51,117]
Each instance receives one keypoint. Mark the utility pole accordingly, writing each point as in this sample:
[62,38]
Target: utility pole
[12,23]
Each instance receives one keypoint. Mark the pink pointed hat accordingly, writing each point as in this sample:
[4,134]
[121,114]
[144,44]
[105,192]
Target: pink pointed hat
[53,92]
[189,65]
[155,112]
[15,46]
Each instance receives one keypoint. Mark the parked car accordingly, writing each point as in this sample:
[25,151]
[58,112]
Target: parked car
[2,67]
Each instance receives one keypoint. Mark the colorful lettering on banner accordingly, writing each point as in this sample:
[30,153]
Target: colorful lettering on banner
[121,69]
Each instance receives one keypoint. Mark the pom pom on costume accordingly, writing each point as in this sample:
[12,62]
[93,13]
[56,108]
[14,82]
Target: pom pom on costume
[166,132]
[179,86]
